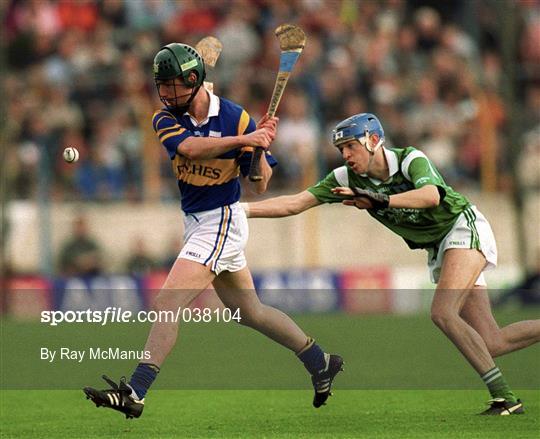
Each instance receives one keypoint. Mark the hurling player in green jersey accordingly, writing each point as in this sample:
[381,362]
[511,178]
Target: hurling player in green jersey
[403,190]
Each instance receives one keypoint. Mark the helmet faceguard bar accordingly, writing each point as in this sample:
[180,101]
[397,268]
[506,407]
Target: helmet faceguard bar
[167,100]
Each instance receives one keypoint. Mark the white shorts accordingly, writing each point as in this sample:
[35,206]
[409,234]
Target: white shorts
[471,230]
[216,238]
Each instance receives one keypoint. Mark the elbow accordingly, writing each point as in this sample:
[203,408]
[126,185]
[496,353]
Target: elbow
[434,200]
[294,210]
[261,186]
[260,189]
[187,150]
[192,154]
[433,197]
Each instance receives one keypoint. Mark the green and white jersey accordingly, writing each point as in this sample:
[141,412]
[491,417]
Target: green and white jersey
[409,169]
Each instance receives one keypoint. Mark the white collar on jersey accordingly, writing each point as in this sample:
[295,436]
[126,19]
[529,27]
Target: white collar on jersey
[213,110]
[391,158]
[393,166]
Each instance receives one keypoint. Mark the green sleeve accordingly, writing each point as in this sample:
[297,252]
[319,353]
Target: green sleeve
[323,190]
[422,173]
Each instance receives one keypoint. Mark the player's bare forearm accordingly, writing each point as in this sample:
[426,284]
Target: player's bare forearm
[259,187]
[423,198]
[208,147]
[278,207]
[211,147]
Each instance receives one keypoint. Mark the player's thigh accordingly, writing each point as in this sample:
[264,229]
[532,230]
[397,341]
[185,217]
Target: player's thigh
[477,312]
[459,271]
[236,290]
[460,268]
[186,280]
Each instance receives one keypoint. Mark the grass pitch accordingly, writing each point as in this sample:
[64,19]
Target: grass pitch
[402,379]
[268,414]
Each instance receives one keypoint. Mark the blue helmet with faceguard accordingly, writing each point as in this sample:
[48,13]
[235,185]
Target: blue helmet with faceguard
[358,127]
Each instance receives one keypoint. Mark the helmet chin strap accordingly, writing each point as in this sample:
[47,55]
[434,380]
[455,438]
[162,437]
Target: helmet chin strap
[185,106]
[371,150]
[194,91]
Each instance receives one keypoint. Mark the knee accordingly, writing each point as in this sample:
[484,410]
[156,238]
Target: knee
[442,318]
[165,301]
[495,345]
[160,302]
[495,350]
[251,316]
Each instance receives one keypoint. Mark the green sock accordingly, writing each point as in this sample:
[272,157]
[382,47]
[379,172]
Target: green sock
[497,385]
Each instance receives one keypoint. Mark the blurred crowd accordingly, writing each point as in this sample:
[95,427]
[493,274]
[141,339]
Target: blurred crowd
[78,73]
[82,254]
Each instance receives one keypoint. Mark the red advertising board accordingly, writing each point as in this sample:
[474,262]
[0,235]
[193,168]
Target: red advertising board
[366,290]
[154,281]
[27,296]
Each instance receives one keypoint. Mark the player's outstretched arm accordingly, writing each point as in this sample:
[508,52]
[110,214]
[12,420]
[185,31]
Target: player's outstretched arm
[423,198]
[278,207]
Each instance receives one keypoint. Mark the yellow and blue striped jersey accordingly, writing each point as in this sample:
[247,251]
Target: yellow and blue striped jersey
[207,184]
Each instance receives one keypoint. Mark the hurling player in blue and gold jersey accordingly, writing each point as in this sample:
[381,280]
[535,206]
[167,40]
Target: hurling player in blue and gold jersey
[208,139]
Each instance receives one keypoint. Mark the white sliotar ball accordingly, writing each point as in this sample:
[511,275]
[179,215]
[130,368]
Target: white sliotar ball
[71,154]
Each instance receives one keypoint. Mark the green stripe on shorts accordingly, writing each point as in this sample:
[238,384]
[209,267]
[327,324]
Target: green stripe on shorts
[471,222]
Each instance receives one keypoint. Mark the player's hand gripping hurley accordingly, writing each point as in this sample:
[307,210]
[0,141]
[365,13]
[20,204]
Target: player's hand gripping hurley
[292,40]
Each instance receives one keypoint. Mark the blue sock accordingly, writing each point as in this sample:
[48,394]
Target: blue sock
[313,357]
[143,377]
